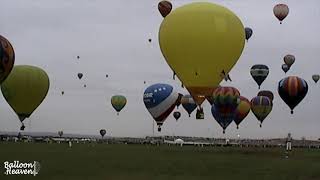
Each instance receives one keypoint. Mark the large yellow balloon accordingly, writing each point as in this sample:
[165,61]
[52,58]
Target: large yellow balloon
[199,41]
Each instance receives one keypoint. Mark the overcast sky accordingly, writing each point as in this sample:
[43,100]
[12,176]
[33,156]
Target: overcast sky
[111,37]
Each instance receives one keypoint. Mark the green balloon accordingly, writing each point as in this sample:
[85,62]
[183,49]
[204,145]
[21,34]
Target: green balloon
[118,102]
[25,89]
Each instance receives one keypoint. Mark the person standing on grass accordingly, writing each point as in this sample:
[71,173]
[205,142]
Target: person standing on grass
[70,144]
[288,142]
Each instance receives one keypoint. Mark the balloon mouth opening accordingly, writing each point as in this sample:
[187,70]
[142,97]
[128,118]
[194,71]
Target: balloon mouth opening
[237,127]
[23,116]
[260,125]
[291,112]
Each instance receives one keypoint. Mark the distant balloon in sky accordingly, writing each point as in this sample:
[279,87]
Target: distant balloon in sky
[176,115]
[259,72]
[188,104]
[107,75]
[150,40]
[102,132]
[7,58]
[281,11]
[25,89]
[316,77]
[164,8]
[242,110]
[285,68]
[60,133]
[225,103]
[84,85]
[204,50]
[266,93]
[248,32]
[261,106]
[78,57]
[80,75]
[160,100]
[289,60]
[62,92]
[118,102]
[292,90]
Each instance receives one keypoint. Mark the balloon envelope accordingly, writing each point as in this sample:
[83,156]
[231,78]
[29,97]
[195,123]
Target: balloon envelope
[177,115]
[118,102]
[248,32]
[261,106]
[266,93]
[160,100]
[316,77]
[103,132]
[259,73]
[164,8]
[242,110]
[285,68]
[188,104]
[289,60]
[225,103]
[7,58]
[198,49]
[25,89]
[80,75]
[281,11]
[292,90]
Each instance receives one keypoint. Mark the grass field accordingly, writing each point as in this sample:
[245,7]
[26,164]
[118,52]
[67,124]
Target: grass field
[142,162]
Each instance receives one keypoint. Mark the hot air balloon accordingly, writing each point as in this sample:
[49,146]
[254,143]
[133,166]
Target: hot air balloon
[292,90]
[60,133]
[107,75]
[62,92]
[316,77]
[259,72]
[25,89]
[7,57]
[188,104]
[80,75]
[285,68]
[103,132]
[176,115]
[289,60]
[160,100]
[149,40]
[266,93]
[248,32]
[204,50]
[118,102]
[84,85]
[164,8]
[78,57]
[261,106]
[281,11]
[225,103]
[242,110]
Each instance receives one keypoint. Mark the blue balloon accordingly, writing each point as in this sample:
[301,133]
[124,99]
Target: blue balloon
[223,119]
[160,100]
[248,32]
[188,104]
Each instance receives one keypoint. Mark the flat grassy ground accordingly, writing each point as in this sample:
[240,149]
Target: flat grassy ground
[142,162]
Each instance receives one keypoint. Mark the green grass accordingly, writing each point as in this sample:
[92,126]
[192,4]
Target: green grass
[141,162]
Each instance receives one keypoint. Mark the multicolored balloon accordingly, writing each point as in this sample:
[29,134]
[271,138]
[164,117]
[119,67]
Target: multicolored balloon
[242,110]
[285,68]
[118,102]
[292,90]
[164,8]
[188,104]
[102,132]
[261,106]
[281,11]
[25,89]
[177,115]
[225,103]
[160,100]
[266,93]
[204,50]
[7,58]
[289,60]
[248,32]
[259,72]
[316,77]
